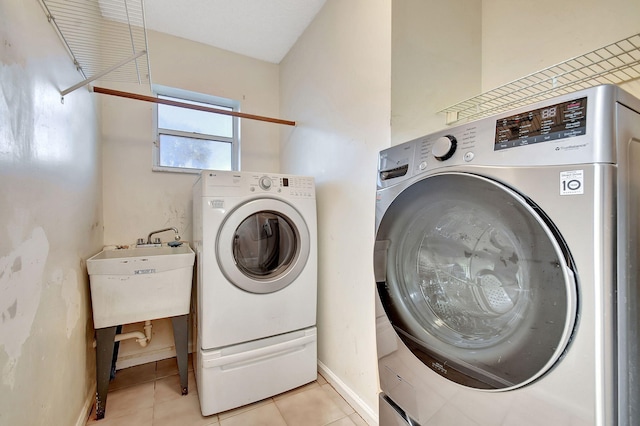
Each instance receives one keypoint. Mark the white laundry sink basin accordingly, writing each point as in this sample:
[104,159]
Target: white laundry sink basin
[139,284]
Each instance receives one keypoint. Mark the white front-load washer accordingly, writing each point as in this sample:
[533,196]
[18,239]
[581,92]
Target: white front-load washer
[255,237]
[506,262]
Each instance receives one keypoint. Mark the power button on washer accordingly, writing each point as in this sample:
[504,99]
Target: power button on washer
[468,156]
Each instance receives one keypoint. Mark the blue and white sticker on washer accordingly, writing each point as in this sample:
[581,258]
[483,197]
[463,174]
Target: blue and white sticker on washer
[572,182]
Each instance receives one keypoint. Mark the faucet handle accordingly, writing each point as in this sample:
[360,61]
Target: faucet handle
[157,240]
[140,241]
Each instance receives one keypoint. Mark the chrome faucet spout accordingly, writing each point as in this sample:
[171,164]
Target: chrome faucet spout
[177,236]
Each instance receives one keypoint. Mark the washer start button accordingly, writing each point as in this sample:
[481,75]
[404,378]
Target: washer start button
[468,156]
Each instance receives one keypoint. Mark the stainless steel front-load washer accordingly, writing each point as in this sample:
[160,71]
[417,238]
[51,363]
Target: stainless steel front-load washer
[506,262]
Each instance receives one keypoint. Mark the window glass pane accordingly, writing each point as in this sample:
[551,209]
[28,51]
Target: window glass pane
[190,120]
[194,153]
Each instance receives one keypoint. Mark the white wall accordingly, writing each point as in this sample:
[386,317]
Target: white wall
[446,52]
[193,66]
[50,222]
[436,62]
[335,83]
[138,200]
[520,37]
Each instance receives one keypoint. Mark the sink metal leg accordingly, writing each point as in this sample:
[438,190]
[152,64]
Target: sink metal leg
[104,356]
[116,347]
[181,338]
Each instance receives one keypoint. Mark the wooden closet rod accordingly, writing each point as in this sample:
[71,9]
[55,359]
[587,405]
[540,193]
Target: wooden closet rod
[190,106]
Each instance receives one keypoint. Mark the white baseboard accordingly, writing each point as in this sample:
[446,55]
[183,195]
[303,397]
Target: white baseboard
[367,413]
[85,412]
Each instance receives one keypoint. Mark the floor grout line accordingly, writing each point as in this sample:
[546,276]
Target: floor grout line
[128,379]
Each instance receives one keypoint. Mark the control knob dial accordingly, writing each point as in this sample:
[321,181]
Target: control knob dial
[265,183]
[444,147]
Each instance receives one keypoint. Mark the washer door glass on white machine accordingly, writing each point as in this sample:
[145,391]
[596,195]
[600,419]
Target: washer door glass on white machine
[479,284]
[263,245]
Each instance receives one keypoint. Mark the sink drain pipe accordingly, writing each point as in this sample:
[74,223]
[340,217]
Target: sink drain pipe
[142,338]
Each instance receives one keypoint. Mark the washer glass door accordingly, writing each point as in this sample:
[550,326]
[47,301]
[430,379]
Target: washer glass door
[477,282]
[263,245]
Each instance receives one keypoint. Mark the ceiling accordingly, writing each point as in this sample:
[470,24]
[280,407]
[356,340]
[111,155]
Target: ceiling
[261,29]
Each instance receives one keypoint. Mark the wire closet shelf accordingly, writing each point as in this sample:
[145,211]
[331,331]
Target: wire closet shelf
[106,39]
[613,64]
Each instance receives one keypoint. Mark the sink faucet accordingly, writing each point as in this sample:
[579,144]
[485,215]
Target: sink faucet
[177,236]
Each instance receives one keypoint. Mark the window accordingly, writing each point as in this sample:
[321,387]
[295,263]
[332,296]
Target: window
[189,140]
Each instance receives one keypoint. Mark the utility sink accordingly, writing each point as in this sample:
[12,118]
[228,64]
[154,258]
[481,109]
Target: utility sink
[138,284]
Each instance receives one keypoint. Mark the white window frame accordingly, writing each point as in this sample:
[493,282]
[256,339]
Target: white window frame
[214,101]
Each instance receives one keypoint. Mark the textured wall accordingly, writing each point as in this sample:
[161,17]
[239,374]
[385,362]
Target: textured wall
[138,200]
[335,83]
[521,37]
[50,222]
[436,62]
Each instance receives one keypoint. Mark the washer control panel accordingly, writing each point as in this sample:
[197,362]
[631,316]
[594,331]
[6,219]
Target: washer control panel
[428,152]
[441,150]
[221,183]
[565,130]
[547,124]
[294,186]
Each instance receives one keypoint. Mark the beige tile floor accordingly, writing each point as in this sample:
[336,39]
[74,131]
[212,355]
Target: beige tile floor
[149,395]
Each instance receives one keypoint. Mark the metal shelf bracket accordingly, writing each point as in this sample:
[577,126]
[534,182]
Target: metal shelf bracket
[106,39]
[102,74]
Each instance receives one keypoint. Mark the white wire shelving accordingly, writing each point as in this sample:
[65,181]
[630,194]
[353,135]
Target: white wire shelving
[106,39]
[616,63]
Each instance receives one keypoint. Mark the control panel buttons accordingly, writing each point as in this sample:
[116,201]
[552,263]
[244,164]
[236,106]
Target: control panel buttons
[265,183]
[422,165]
[444,147]
[468,156]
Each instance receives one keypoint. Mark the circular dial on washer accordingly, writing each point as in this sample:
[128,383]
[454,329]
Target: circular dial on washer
[265,183]
[444,147]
